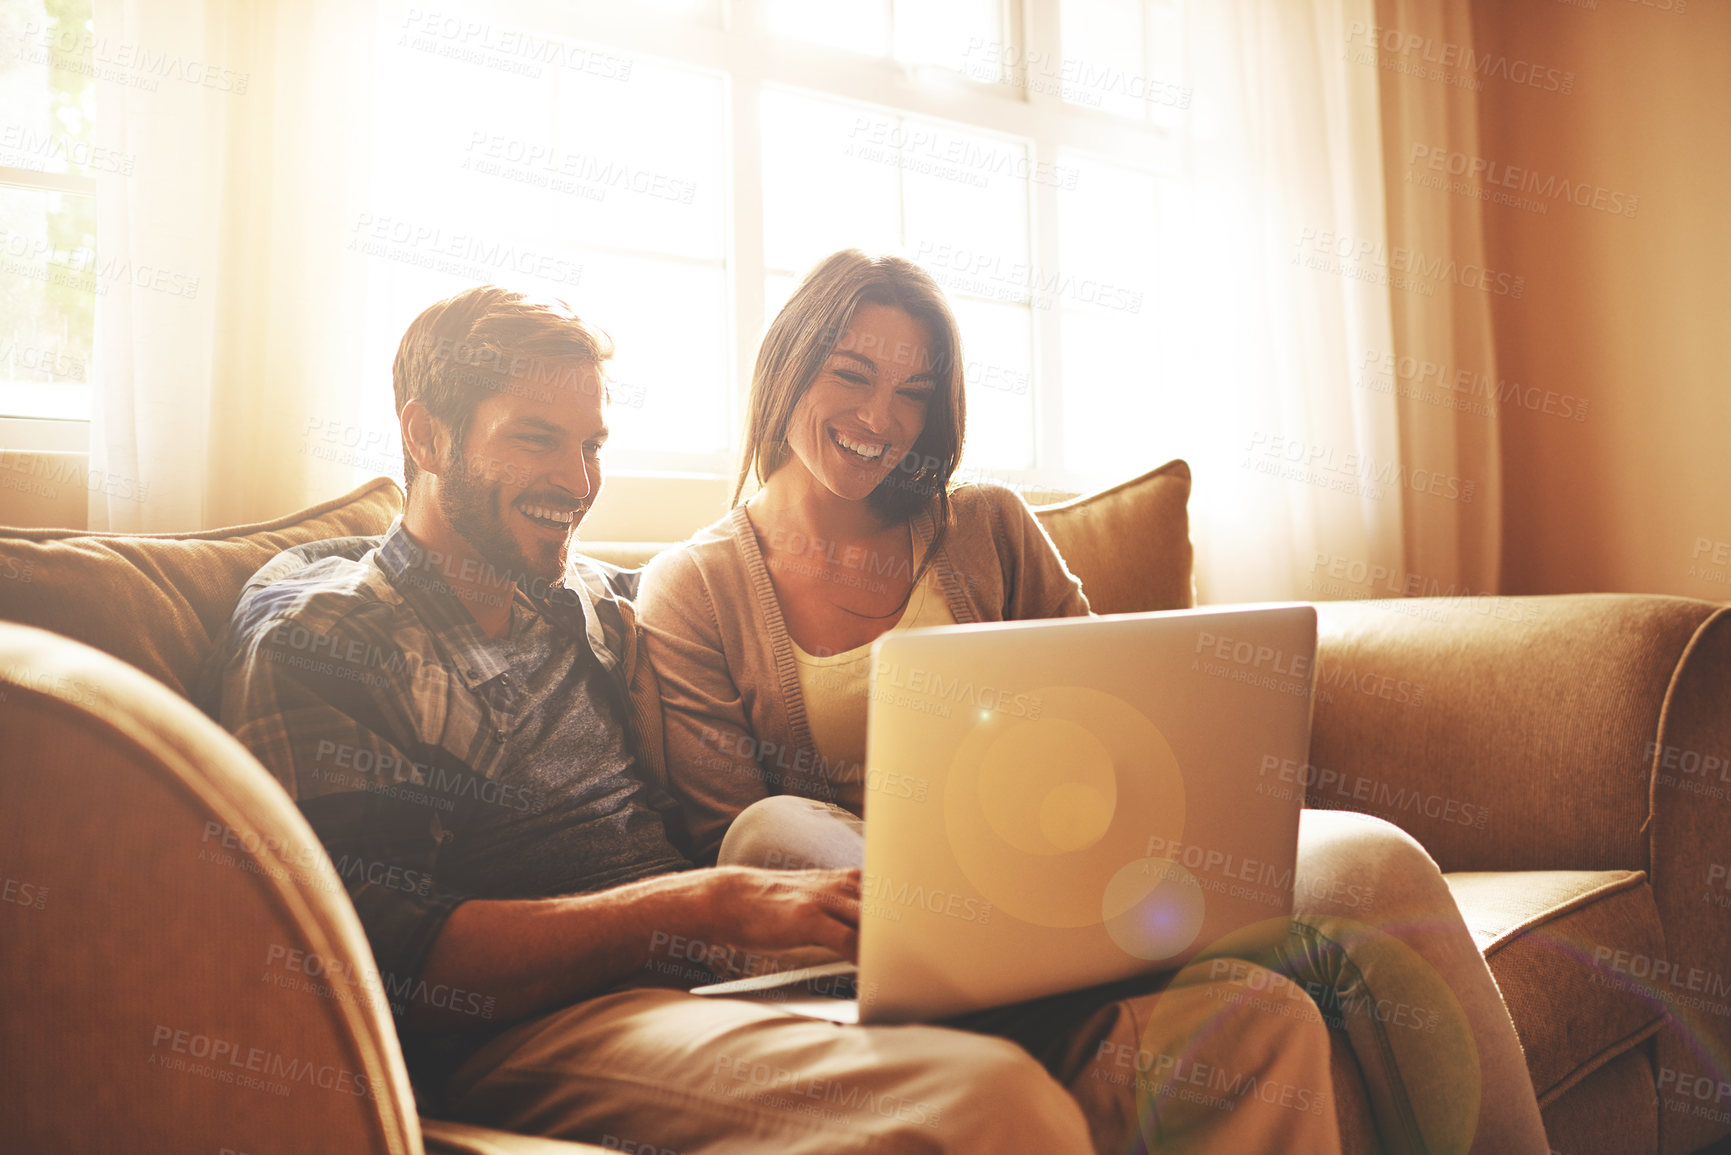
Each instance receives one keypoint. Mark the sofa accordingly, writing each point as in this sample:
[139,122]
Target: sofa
[182,964]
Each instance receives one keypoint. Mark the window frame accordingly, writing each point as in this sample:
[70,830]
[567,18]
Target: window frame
[740,47]
[64,415]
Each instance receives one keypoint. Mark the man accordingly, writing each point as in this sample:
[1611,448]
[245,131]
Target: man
[462,714]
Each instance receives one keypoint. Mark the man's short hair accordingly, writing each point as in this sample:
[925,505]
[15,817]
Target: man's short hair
[482,341]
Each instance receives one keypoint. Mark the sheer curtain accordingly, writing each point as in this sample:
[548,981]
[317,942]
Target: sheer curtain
[229,335]
[1447,425]
[1312,480]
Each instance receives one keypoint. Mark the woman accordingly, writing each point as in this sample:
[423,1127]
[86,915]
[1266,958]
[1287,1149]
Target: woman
[760,629]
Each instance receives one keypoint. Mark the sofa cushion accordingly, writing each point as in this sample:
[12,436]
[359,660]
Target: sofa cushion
[157,600]
[1129,544]
[1564,947]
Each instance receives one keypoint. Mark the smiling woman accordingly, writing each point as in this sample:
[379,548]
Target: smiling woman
[856,423]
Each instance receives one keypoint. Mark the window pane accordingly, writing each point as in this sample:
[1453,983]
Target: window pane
[48,123]
[1110,396]
[997,358]
[850,176]
[946,32]
[830,180]
[1111,378]
[704,12]
[49,275]
[624,152]
[603,181]
[49,282]
[1103,54]
[671,369]
[967,205]
[854,25]
[643,162]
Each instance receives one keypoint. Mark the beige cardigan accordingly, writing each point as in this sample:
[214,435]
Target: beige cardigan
[732,712]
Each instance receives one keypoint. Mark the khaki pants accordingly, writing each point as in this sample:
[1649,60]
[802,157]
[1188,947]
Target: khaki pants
[1376,943]
[1203,1065]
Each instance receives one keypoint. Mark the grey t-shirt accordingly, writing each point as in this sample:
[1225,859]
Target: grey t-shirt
[578,818]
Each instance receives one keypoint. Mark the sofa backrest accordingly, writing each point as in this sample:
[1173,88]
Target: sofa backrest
[159,600]
[1129,544]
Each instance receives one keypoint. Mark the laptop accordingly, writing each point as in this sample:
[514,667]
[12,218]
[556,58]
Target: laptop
[1057,804]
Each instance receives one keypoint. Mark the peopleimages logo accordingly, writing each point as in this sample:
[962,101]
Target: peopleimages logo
[1579,193]
[1448,56]
[1362,258]
[227,1061]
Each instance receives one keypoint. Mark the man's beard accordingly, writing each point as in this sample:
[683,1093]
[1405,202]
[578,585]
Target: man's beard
[472,509]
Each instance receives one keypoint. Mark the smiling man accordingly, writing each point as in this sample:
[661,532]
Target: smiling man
[462,703]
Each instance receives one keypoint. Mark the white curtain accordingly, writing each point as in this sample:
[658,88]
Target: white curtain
[1311,482]
[229,335]
[1447,425]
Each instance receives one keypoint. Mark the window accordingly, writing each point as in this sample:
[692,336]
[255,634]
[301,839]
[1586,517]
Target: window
[673,168]
[48,155]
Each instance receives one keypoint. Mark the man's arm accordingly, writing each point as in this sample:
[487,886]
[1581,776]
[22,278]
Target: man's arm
[537,954]
[341,739]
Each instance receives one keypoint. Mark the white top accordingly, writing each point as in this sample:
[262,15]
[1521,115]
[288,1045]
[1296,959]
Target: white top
[835,688]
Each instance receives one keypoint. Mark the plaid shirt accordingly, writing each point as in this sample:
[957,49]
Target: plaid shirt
[355,675]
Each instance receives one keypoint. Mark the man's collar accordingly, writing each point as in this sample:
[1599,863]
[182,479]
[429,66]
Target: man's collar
[418,574]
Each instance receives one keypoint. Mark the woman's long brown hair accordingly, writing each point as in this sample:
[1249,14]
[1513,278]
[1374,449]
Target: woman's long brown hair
[801,339]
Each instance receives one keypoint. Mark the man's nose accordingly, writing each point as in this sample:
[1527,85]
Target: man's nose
[574,476]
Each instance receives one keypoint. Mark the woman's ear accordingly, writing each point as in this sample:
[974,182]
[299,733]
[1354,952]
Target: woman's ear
[424,437]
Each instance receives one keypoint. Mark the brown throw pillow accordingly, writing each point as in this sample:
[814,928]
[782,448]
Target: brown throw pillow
[1130,544]
[157,599]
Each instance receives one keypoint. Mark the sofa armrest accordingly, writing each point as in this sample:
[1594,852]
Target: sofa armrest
[1516,733]
[167,908]
[1588,732]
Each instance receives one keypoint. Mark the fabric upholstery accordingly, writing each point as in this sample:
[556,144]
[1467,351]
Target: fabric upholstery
[1534,717]
[1351,1099]
[1610,1112]
[1129,544]
[1581,732]
[157,600]
[181,889]
[1546,935]
[1690,834]
[1585,739]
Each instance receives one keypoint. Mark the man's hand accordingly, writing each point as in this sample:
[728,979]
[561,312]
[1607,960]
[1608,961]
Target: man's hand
[775,911]
[530,955]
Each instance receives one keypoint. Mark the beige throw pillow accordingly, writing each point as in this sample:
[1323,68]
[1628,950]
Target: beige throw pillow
[1129,544]
[157,600]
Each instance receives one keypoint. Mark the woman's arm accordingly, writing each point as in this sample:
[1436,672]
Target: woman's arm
[1037,583]
[712,755]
